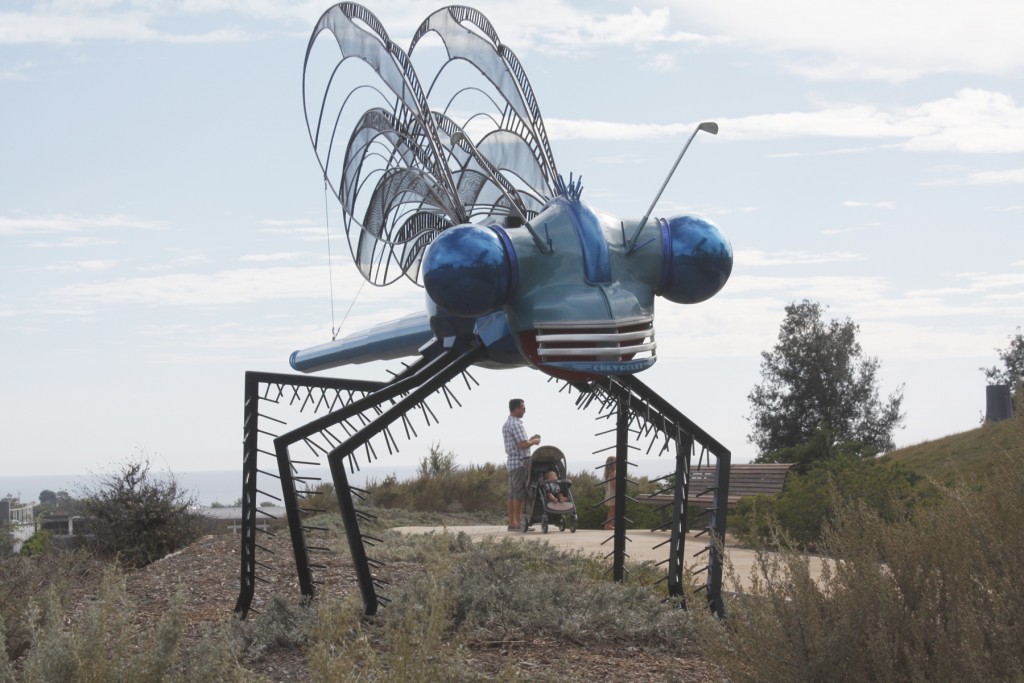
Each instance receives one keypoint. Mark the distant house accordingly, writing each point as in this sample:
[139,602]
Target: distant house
[229,519]
[20,518]
[65,524]
[13,512]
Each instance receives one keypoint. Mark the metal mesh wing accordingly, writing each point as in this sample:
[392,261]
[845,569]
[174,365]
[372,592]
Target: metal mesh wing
[389,157]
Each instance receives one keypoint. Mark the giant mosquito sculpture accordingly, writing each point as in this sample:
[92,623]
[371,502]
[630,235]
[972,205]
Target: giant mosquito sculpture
[518,271]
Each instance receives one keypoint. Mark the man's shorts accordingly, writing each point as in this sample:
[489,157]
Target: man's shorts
[517,483]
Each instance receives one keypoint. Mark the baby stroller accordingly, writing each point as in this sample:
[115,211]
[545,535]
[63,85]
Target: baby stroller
[536,505]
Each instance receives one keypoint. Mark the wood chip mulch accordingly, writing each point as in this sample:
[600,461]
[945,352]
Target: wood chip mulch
[207,574]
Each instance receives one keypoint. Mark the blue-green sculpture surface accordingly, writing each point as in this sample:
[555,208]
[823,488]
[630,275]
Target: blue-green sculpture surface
[475,210]
[440,161]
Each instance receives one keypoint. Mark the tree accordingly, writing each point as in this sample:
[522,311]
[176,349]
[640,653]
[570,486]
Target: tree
[1012,357]
[440,463]
[819,387]
[139,518]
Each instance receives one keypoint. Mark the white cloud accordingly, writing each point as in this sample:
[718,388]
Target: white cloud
[16,72]
[232,287]
[191,289]
[558,28]
[541,25]
[662,62]
[825,152]
[89,265]
[971,121]
[755,258]
[835,290]
[852,228]
[301,230]
[874,205]
[977,283]
[278,256]
[19,28]
[1013,176]
[870,39]
[62,223]
[74,242]
[612,29]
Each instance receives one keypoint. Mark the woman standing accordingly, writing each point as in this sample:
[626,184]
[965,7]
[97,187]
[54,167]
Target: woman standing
[609,491]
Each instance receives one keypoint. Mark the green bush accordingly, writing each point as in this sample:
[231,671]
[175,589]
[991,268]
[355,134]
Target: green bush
[811,499]
[443,487]
[476,488]
[137,518]
[39,543]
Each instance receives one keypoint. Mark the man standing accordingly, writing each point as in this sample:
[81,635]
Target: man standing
[517,448]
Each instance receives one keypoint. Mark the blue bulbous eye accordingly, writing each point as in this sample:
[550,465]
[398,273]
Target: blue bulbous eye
[467,271]
[696,260]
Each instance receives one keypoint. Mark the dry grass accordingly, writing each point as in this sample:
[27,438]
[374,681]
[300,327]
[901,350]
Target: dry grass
[929,595]
[932,596]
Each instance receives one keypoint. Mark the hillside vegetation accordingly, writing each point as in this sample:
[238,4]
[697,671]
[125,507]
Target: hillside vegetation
[921,592]
[966,456]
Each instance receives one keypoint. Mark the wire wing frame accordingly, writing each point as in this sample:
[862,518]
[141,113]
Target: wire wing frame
[385,143]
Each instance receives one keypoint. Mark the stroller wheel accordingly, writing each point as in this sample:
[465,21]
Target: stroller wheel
[561,524]
[572,526]
[544,526]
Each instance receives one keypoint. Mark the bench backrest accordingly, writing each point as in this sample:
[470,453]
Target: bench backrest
[746,479]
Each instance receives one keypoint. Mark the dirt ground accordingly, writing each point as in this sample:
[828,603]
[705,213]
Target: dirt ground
[207,572]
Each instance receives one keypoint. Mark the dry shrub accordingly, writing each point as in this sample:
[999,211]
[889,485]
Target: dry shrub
[138,518]
[28,580]
[490,593]
[933,595]
[476,488]
[101,644]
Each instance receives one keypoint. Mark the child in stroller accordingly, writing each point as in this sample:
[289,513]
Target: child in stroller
[553,488]
[548,492]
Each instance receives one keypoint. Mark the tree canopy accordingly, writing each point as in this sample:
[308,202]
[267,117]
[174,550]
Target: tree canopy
[819,390]
[1012,357]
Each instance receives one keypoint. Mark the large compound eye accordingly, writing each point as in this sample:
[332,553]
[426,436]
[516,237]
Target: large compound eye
[696,260]
[467,271]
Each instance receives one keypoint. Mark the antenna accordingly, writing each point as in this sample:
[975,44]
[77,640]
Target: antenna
[706,126]
[460,136]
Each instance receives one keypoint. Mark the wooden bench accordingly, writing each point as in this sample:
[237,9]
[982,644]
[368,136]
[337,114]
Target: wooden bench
[748,479]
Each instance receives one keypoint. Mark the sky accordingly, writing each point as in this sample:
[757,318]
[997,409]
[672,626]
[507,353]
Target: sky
[164,226]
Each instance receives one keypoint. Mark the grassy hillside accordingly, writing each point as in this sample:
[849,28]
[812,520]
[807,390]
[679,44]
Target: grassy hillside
[966,456]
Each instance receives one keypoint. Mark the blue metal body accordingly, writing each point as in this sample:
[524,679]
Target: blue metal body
[516,268]
[583,308]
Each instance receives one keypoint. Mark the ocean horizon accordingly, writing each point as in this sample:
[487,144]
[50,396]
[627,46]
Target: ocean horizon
[222,487]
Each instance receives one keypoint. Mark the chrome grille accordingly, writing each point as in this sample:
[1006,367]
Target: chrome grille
[598,340]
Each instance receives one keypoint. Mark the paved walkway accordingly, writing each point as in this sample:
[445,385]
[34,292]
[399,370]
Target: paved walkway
[643,545]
